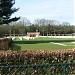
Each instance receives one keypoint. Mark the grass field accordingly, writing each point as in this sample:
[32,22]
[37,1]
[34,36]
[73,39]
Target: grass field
[43,44]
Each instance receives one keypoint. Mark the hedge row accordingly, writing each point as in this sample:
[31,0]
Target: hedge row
[36,57]
[5,43]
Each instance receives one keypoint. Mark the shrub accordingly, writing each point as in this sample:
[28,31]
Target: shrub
[38,57]
[4,44]
[10,41]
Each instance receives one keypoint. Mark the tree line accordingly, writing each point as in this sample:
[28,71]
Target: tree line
[45,27]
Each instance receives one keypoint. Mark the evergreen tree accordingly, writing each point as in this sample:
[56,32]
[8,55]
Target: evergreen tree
[6,11]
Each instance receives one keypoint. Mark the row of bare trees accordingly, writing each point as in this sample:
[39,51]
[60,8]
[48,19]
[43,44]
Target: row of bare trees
[45,27]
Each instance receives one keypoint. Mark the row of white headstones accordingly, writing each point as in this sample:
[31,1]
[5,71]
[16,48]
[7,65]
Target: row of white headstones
[28,38]
[21,37]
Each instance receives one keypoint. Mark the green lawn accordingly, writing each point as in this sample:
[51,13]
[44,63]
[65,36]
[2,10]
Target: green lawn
[43,44]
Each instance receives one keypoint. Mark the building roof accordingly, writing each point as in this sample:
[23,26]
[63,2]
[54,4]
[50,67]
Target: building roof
[33,32]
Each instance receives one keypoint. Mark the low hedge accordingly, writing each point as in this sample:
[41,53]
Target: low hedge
[4,44]
[37,57]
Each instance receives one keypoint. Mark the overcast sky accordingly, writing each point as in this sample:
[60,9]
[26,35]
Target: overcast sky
[61,10]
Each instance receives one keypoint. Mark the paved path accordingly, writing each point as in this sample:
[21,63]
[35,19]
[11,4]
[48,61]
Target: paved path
[58,44]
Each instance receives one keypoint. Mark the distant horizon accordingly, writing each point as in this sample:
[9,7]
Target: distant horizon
[60,10]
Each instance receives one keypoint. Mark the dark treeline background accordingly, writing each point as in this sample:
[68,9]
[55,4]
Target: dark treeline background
[45,27]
